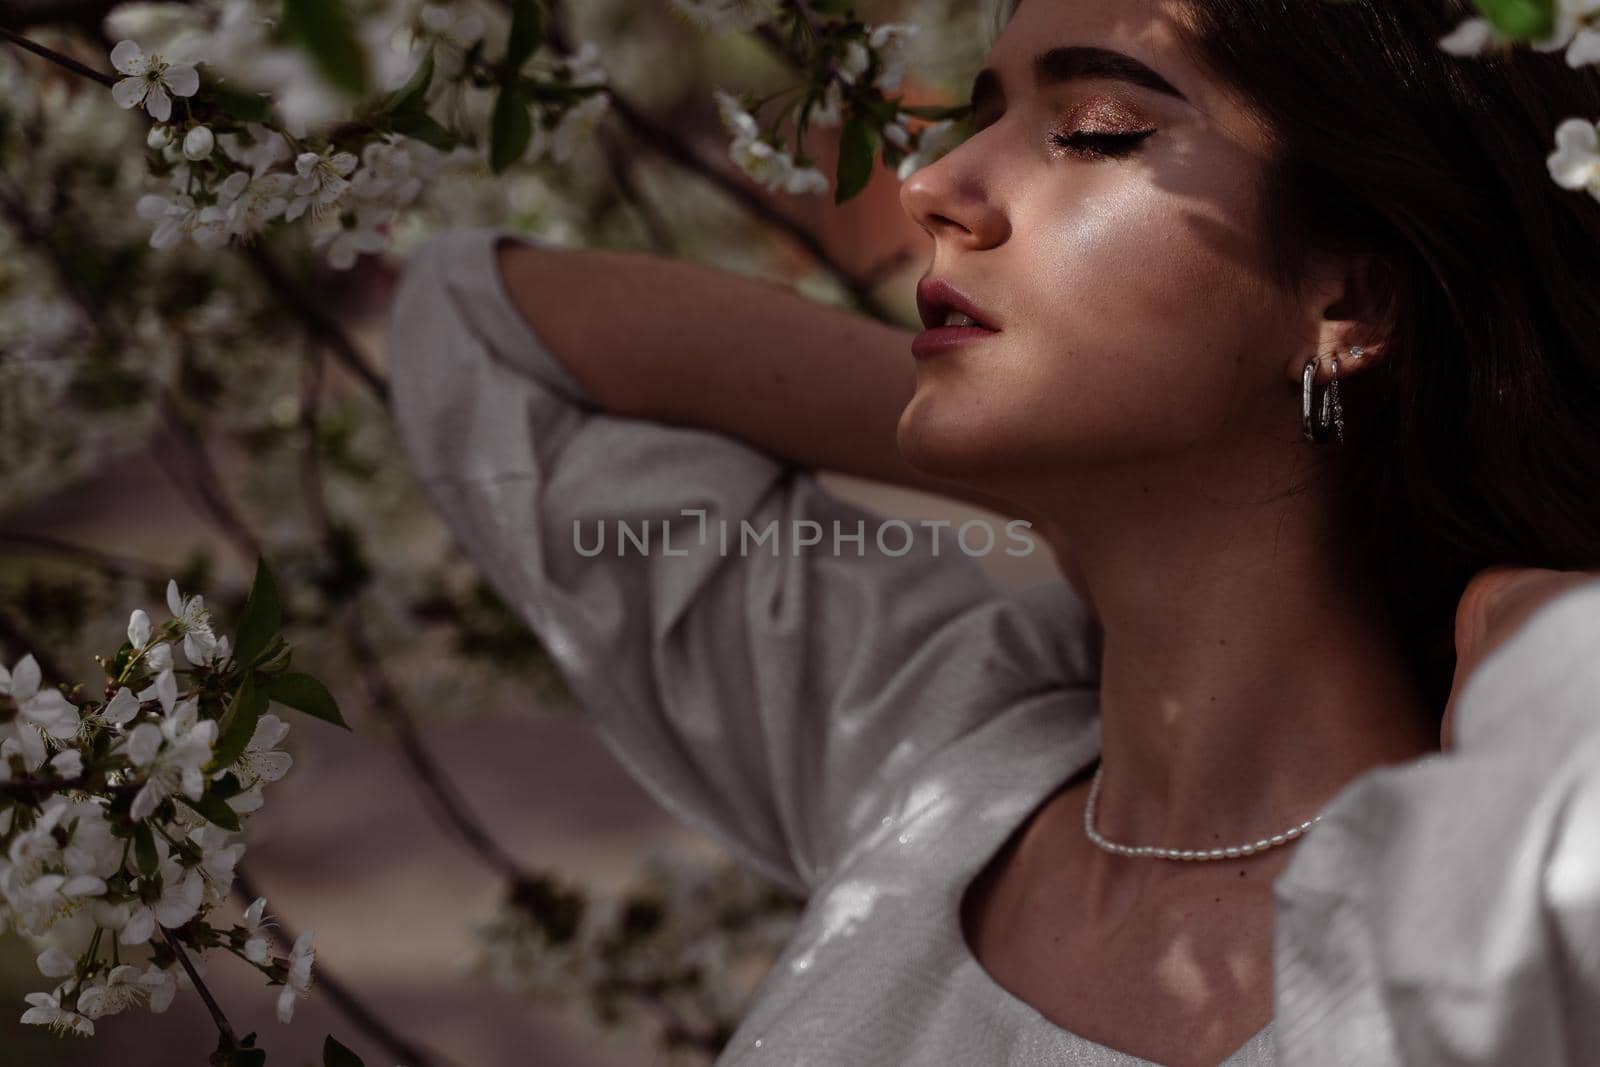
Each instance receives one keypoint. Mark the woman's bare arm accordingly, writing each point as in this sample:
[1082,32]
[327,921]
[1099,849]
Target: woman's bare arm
[652,337]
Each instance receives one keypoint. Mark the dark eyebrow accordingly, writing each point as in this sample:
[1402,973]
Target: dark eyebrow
[1073,62]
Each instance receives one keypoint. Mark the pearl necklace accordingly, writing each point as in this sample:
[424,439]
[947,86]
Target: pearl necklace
[1183,853]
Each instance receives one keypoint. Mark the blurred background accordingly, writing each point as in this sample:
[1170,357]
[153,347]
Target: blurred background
[174,413]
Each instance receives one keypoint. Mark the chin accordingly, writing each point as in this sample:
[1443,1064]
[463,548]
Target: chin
[957,445]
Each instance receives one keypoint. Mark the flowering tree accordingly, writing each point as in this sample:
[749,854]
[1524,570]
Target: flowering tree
[188,190]
[122,814]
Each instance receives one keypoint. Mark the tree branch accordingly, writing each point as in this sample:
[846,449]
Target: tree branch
[56,57]
[318,322]
[674,148]
[228,1041]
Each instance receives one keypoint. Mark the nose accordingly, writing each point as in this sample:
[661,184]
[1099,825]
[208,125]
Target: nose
[952,199]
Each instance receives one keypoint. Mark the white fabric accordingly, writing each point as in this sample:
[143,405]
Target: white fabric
[869,729]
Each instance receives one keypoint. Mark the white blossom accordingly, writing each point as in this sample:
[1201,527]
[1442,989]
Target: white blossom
[198,143]
[576,126]
[182,891]
[261,760]
[193,621]
[256,946]
[829,109]
[219,855]
[1478,36]
[53,962]
[150,80]
[892,42]
[1575,164]
[178,217]
[40,711]
[298,983]
[68,763]
[170,756]
[855,61]
[125,987]
[773,168]
[453,29]
[162,984]
[248,204]
[933,141]
[323,178]
[138,628]
[360,232]
[46,1010]
[120,708]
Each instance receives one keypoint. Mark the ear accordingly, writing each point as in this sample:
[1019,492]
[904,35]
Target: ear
[1351,305]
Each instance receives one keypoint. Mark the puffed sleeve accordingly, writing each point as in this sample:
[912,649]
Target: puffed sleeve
[769,694]
[1447,911]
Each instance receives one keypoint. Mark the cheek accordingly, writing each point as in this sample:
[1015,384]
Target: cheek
[1133,327]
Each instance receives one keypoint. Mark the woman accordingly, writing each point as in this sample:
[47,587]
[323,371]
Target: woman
[1168,218]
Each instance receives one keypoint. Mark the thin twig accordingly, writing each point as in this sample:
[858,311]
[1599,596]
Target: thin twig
[225,1032]
[321,325]
[448,802]
[56,57]
[621,166]
[339,994]
[674,148]
[206,481]
[109,564]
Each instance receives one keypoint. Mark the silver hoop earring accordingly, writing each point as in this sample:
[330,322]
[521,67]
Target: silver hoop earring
[1330,412]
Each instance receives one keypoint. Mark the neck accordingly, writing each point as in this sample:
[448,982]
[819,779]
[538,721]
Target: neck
[1247,676]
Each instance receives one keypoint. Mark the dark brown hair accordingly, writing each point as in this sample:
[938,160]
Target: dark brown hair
[1476,440]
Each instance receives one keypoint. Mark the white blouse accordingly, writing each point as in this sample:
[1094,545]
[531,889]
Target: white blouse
[868,728]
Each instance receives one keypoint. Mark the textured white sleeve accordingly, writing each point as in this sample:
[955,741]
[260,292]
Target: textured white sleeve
[1447,911]
[770,700]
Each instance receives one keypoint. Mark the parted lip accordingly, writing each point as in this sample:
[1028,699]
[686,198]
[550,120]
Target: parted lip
[937,297]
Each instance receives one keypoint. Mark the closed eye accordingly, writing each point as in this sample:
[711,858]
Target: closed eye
[1097,145]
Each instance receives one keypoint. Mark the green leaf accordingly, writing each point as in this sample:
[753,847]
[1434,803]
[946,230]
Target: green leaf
[411,97]
[510,129]
[832,7]
[144,850]
[215,809]
[246,107]
[858,144]
[238,723]
[336,1055]
[239,1057]
[262,616]
[326,31]
[304,693]
[424,128]
[526,28]
[1521,20]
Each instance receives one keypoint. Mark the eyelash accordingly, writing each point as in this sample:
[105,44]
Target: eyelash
[1099,145]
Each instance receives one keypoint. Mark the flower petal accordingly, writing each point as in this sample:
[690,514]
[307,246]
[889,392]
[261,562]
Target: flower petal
[181,79]
[128,92]
[25,679]
[128,58]
[158,104]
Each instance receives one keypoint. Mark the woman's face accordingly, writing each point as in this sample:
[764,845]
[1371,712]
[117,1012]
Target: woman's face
[1127,278]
